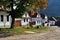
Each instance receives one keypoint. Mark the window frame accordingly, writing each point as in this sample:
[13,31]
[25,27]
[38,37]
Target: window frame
[25,19]
[7,18]
[2,18]
[38,21]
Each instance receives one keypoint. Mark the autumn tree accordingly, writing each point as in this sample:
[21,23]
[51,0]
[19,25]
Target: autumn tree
[22,6]
[4,5]
[37,4]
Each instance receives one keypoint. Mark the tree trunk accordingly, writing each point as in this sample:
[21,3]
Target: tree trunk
[12,22]
[12,15]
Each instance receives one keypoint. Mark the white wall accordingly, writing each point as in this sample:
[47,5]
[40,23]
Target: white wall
[5,23]
[26,15]
[24,23]
[37,19]
[52,23]
[46,18]
[38,23]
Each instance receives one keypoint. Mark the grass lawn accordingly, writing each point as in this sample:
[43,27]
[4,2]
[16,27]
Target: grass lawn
[16,31]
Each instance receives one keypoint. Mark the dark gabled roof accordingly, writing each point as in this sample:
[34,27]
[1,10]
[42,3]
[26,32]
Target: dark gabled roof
[42,16]
[51,19]
[33,16]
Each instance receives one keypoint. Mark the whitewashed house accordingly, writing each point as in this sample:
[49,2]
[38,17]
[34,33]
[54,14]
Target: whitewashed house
[5,20]
[34,20]
[52,21]
[26,20]
[37,19]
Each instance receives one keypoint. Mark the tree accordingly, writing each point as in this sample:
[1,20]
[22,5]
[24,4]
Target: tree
[38,4]
[20,9]
[22,6]
[4,5]
[11,3]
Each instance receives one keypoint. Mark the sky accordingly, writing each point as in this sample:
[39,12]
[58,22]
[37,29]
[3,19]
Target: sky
[53,8]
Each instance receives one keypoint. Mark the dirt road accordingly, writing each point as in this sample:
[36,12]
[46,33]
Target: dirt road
[51,35]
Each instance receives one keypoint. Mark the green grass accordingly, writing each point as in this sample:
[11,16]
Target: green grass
[16,31]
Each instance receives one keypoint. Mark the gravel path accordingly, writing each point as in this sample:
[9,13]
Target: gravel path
[51,35]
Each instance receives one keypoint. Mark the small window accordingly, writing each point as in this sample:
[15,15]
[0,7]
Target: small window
[38,21]
[25,20]
[2,18]
[7,18]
